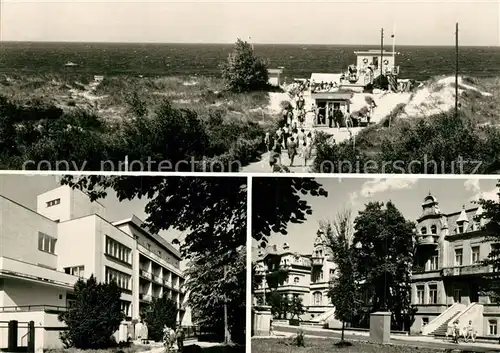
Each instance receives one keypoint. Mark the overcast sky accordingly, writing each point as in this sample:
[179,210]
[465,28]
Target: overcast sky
[315,22]
[406,193]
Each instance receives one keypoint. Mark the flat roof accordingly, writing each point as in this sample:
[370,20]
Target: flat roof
[332,95]
[375,52]
[139,225]
[275,71]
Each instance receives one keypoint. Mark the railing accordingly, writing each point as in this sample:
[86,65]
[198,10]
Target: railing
[27,308]
[466,270]
[145,274]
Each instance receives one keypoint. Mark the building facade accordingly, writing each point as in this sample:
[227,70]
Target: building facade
[308,277]
[68,237]
[449,250]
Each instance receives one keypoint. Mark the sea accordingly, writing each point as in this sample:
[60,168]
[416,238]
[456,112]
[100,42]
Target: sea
[299,61]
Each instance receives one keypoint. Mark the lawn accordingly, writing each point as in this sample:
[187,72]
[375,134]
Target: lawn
[317,345]
[133,349]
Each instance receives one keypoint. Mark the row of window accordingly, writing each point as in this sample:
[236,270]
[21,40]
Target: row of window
[459,258]
[118,250]
[78,271]
[459,230]
[123,280]
[46,243]
[433,294]
[53,202]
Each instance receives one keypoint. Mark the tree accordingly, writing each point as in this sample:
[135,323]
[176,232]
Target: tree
[384,253]
[244,71]
[279,304]
[95,316]
[490,221]
[276,202]
[160,313]
[344,290]
[296,308]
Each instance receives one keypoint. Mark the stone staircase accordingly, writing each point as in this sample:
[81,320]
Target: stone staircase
[443,329]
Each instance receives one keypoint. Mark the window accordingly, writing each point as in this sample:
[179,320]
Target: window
[125,306]
[78,271]
[458,257]
[433,294]
[296,280]
[425,321]
[433,229]
[423,230]
[122,279]
[492,327]
[332,273]
[475,254]
[118,250]
[318,298]
[46,243]
[53,202]
[460,228]
[434,264]
[420,294]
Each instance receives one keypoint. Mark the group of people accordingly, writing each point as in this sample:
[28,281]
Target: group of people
[468,332]
[296,142]
[324,86]
[171,336]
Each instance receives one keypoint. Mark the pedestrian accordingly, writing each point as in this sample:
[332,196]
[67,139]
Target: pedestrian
[286,134]
[268,141]
[470,332]
[292,150]
[276,152]
[339,117]
[456,331]
[180,338]
[331,116]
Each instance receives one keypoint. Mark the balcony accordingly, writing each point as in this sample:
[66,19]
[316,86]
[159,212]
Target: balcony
[317,261]
[27,308]
[158,279]
[145,274]
[430,240]
[470,270]
[145,297]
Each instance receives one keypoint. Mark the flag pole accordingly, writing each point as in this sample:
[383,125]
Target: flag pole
[456,71]
[394,44]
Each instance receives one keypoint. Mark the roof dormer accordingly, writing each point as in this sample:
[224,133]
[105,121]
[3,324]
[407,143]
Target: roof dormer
[462,221]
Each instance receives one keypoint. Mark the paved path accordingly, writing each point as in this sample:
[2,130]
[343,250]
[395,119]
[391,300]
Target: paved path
[262,165]
[416,341]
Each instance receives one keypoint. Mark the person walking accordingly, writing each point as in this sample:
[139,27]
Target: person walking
[276,152]
[292,150]
[470,332]
[180,335]
[268,141]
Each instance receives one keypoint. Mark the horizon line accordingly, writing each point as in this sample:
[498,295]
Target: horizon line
[254,43]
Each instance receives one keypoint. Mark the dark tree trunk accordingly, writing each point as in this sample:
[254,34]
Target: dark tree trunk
[342,335]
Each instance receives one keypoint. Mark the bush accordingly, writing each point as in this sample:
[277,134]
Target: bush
[299,339]
[95,316]
[160,313]
[244,71]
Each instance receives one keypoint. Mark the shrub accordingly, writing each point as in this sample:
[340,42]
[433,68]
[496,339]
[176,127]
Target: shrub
[244,71]
[95,316]
[299,339]
[160,313]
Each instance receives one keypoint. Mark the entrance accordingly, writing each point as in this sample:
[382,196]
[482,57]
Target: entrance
[474,292]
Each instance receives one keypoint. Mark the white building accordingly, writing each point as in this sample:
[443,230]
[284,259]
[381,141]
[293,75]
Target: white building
[43,253]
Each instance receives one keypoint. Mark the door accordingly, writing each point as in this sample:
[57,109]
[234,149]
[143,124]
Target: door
[375,61]
[474,292]
[457,296]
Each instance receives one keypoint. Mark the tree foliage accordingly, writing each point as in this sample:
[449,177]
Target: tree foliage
[244,71]
[344,289]
[212,212]
[384,252]
[95,316]
[276,202]
[490,218]
[160,313]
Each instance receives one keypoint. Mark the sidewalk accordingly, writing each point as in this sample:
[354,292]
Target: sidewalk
[418,341]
